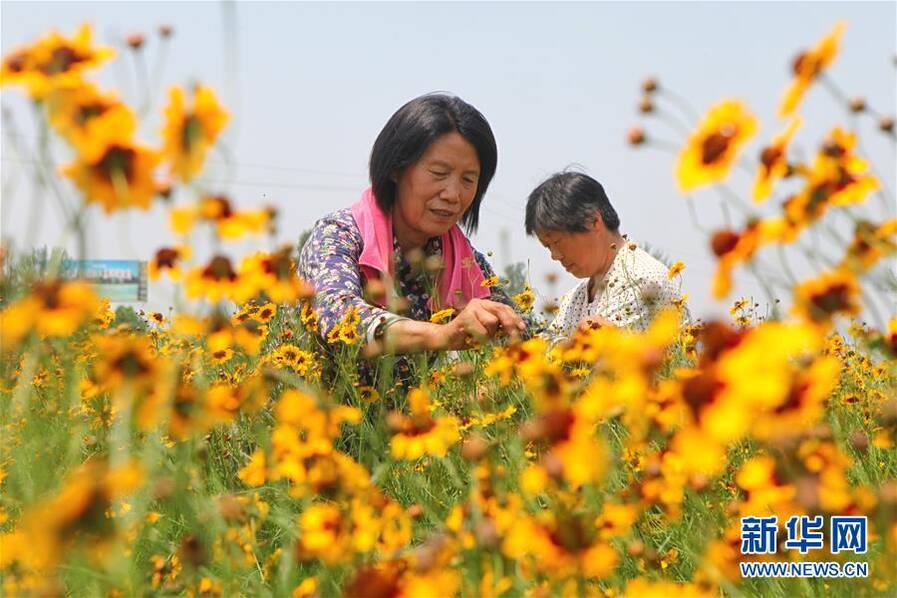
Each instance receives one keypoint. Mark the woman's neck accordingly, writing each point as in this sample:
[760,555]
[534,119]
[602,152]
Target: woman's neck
[407,237]
[615,242]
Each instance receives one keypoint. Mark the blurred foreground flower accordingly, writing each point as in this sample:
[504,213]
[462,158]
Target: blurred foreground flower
[54,61]
[190,132]
[713,148]
[808,66]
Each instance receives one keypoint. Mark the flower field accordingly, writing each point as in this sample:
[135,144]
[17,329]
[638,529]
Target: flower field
[230,448]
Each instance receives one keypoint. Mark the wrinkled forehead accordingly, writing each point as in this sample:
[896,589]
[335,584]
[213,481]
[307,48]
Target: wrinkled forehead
[548,237]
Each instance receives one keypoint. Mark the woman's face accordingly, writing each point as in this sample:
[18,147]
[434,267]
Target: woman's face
[582,254]
[435,191]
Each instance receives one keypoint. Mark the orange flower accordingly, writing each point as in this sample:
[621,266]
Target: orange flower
[168,259]
[189,133]
[773,162]
[808,66]
[713,148]
[733,248]
[421,434]
[215,281]
[833,293]
[52,308]
[111,169]
[80,114]
[870,244]
[53,61]
[273,274]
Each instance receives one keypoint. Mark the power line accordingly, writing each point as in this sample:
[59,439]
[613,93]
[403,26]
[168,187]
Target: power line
[311,187]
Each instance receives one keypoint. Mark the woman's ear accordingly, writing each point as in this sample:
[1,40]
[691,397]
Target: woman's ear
[597,222]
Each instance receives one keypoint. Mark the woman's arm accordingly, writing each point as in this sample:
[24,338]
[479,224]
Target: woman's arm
[329,261]
[480,319]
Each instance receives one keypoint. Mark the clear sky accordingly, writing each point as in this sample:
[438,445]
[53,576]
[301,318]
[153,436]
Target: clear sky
[311,84]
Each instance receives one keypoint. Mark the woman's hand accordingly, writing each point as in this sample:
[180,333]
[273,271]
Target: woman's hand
[481,319]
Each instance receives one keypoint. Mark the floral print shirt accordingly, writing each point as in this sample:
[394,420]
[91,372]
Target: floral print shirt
[329,261]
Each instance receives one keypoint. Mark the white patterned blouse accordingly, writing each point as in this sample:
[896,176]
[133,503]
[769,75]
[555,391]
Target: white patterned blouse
[628,295]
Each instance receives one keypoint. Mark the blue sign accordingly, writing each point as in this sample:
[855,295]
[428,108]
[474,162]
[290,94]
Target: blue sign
[117,280]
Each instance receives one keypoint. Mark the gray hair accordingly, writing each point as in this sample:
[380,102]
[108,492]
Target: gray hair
[567,202]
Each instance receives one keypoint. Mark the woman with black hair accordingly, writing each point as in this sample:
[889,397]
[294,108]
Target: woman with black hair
[397,256]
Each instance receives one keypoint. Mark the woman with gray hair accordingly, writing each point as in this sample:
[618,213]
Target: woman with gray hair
[622,284]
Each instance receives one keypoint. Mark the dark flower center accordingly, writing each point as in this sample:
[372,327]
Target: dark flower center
[715,145]
[16,62]
[833,299]
[89,111]
[61,60]
[219,269]
[806,64]
[116,162]
[191,132]
[167,257]
[48,293]
[723,242]
[130,364]
[770,156]
[571,535]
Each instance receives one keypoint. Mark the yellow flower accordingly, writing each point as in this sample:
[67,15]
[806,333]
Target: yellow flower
[52,308]
[221,356]
[616,520]
[443,315]
[713,148]
[112,170]
[53,61]
[190,132]
[292,356]
[168,260]
[273,275]
[560,545]
[266,312]
[820,299]
[125,359]
[774,162]
[214,282]
[421,434]
[368,394]
[254,472]
[50,529]
[324,534]
[870,244]
[525,299]
[80,114]
[804,404]
[676,269]
[308,316]
[734,248]
[490,282]
[182,219]
[808,66]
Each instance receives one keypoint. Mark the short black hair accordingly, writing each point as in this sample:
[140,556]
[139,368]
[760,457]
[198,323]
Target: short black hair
[568,201]
[413,128]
